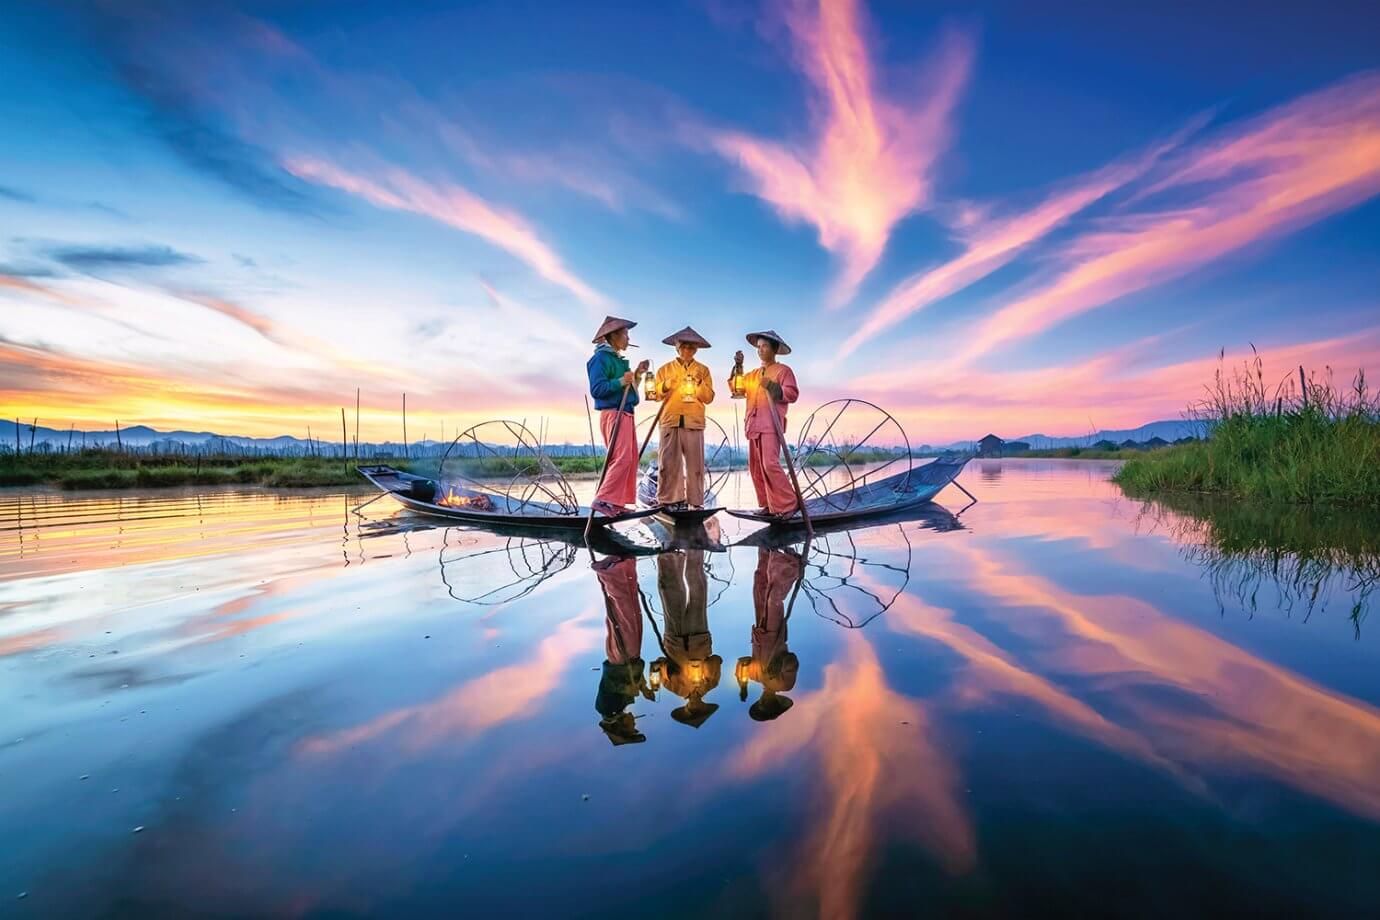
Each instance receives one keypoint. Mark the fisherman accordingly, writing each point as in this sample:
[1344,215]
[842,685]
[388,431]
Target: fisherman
[622,679]
[772,664]
[613,385]
[771,385]
[690,668]
[686,386]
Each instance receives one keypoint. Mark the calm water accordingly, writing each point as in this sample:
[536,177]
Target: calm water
[1059,699]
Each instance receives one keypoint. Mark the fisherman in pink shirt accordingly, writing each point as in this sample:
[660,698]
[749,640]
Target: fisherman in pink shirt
[771,384]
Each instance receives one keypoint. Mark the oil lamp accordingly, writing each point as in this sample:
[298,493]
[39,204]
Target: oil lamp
[649,388]
[687,389]
[737,382]
[654,677]
[742,673]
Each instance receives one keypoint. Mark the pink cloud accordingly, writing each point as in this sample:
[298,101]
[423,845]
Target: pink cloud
[1290,167]
[456,207]
[870,159]
[993,243]
[1122,387]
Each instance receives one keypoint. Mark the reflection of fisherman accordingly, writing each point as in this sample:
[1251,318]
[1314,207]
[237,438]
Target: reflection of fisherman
[771,664]
[687,387]
[622,679]
[690,669]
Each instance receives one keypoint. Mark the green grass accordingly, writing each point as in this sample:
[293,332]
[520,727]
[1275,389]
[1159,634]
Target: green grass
[1313,445]
[107,469]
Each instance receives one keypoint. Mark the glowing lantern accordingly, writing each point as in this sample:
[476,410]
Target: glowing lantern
[654,677]
[737,381]
[687,389]
[649,388]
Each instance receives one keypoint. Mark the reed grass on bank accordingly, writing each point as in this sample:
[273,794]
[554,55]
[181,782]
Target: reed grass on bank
[1307,444]
[107,469]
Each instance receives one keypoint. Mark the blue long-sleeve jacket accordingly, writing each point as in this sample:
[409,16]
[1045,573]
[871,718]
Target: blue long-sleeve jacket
[606,369]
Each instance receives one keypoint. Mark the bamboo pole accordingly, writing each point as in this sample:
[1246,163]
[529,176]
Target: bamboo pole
[71,431]
[790,464]
[119,444]
[33,431]
[356,424]
[590,416]
[406,455]
[17,448]
[344,443]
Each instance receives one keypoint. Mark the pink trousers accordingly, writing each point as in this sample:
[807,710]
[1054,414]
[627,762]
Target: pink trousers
[622,614]
[773,487]
[620,483]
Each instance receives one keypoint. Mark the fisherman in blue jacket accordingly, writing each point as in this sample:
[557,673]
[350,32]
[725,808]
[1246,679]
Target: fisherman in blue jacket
[613,386]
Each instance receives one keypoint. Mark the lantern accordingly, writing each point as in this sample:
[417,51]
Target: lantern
[654,677]
[687,389]
[649,387]
[737,381]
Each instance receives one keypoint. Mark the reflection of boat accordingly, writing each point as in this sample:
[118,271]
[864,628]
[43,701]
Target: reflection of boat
[900,492]
[476,506]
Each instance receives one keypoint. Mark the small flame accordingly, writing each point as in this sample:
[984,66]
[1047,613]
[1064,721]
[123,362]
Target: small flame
[453,499]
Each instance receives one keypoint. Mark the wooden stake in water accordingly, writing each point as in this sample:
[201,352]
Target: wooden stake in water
[344,443]
[33,430]
[356,424]
[406,455]
[119,445]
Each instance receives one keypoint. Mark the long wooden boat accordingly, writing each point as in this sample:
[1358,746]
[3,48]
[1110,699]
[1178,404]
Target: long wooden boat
[418,493]
[926,516]
[883,497]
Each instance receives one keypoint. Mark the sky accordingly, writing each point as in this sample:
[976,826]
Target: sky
[1001,217]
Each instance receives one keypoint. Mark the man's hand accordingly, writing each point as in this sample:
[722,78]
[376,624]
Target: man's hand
[773,388]
[643,365]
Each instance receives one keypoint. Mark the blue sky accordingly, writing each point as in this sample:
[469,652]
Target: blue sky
[988,217]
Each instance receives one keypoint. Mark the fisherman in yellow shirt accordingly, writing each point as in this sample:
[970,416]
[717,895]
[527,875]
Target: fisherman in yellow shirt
[687,387]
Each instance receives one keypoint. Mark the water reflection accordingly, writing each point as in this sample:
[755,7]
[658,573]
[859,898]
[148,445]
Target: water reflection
[1255,556]
[381,734]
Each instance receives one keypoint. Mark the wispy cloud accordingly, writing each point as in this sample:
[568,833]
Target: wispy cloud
[870,158]
[456,207]
[95,258]
[990,244]
[1287,168]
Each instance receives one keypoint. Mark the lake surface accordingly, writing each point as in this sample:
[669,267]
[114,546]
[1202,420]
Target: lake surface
[255,703]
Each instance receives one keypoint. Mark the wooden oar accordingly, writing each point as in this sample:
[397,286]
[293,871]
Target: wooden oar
[790,464]
[608,452]
[648,439]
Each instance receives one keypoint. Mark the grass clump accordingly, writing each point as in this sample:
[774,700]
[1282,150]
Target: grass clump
[1312,443]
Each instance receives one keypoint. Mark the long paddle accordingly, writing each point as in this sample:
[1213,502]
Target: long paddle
[790,464]
[613,439]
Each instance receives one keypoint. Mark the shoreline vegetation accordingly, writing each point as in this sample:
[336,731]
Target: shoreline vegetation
[1305,444]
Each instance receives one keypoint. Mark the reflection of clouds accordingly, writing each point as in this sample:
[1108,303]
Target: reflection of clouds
[502,695]
[874,769]
[1250,715]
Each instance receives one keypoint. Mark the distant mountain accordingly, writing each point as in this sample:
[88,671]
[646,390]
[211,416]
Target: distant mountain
[1169,430]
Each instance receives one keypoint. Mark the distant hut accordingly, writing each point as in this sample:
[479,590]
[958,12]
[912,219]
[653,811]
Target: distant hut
[990,446]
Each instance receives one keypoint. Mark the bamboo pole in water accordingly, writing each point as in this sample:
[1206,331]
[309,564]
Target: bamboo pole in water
[356,424]
[344,443]
[119,444]
[33,430]
[406,455]
[17,448]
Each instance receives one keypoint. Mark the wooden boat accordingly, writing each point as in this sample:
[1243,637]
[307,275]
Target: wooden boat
[925,516]
[871,499]
[421,494]
[683,517]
